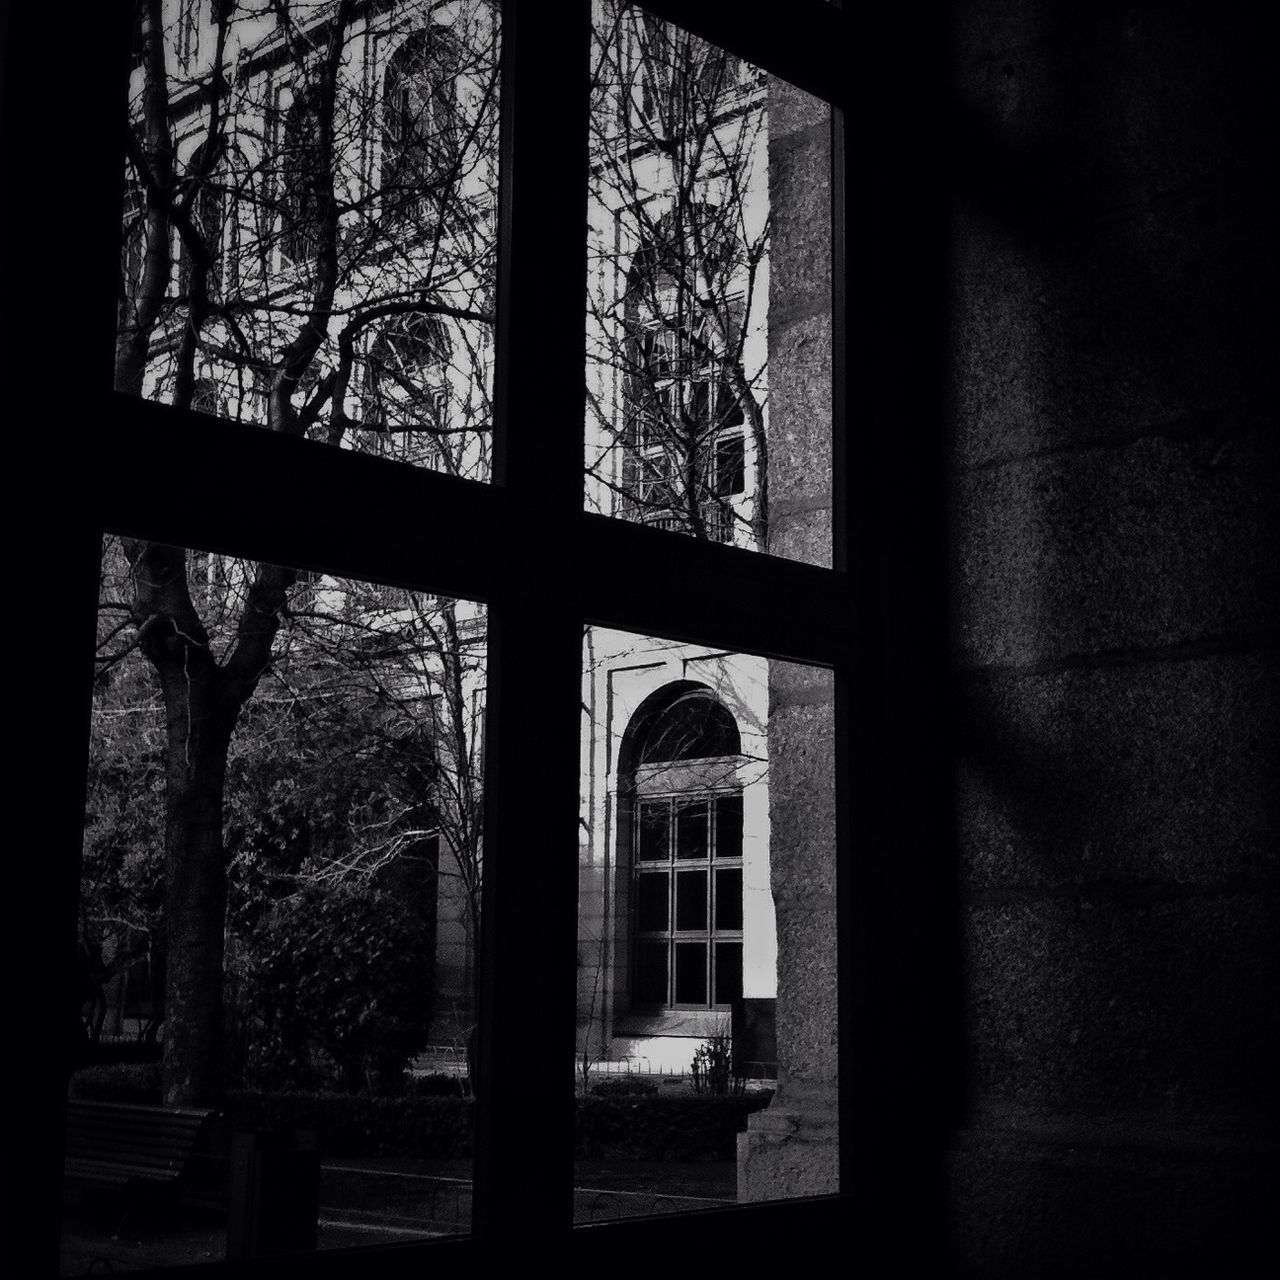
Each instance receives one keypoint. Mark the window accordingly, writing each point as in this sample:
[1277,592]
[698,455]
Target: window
[688,896]
[525,545]
[420,125]
[405,397]
[684,383]
[302,198]
[686,855]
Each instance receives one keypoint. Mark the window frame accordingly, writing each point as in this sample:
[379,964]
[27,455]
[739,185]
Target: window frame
[546,567]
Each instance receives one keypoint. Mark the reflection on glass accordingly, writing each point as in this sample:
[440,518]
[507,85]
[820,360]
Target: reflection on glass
[278,905]
[709,303]
[706,939]
[308,236]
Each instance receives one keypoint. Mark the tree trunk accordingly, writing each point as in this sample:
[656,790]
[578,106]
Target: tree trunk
[199,733]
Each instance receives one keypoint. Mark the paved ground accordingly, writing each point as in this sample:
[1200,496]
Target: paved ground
[375,1201]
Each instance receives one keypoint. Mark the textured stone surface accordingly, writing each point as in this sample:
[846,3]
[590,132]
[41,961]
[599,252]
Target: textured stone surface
[1098,1002]
[1155,542]
[1141,774]
[1113,339]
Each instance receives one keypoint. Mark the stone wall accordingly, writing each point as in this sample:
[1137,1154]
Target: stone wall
[1113,325]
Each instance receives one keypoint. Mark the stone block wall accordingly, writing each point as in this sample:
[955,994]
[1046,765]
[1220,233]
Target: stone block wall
[1114,455]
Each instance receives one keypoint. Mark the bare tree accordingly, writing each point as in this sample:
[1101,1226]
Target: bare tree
[300,246]
[308,245]
[678,291]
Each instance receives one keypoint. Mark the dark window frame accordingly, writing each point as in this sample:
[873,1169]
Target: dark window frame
[547,567]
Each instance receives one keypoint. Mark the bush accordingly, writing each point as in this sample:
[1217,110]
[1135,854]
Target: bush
[639,1126]
[683,1127]
[624,1087]
[715,1067]
[360,1125]
[436,1085]
[118,1082]
[334,991]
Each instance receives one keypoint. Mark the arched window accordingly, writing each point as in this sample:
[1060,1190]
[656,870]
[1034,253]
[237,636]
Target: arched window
[684,421]
[406,386]
[682,79]
[686,853]
[419,126]
[303,177]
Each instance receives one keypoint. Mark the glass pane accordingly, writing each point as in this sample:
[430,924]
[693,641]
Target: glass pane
[691,829]
[728,898]
[728,827]
[652,894]
[728,972]
[654,831]
[709,301]
[691,900]
[308,242]
[691,973]
[732,995]
[651,973]
[278,905]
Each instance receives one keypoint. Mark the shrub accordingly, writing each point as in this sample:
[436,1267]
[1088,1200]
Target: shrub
[118,1082]
[334,991]
[683,1127]
[437,1085]
[715,1067]
[360,1125]
[624,1087]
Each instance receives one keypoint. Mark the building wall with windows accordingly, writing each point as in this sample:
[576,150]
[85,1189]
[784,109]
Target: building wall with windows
[398,271]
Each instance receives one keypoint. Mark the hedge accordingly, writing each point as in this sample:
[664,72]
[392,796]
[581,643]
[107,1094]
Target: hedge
[664,1127]
[685,1127]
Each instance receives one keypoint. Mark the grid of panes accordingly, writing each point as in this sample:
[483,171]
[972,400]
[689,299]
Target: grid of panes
[135,483]
[688,888]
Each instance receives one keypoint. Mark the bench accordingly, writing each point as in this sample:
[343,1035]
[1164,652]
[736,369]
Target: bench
[135,1148]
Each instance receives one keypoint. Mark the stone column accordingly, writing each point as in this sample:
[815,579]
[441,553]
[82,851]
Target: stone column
[790,1148]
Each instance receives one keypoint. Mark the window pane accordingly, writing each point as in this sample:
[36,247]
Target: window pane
[654,832]
[728,827]
[651,973]
[691,829]
[728,972]
[652,894]
[691,973]
[316,253]
[709,301]
[728,898]
[320,830]
[691,900]
[731,985]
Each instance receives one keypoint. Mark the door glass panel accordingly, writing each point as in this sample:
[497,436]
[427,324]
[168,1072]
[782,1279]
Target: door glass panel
[308,241]
[279,901]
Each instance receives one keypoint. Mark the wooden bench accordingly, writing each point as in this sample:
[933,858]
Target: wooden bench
[135,1148]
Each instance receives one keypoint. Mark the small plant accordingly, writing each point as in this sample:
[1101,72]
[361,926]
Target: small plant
[715,1066]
